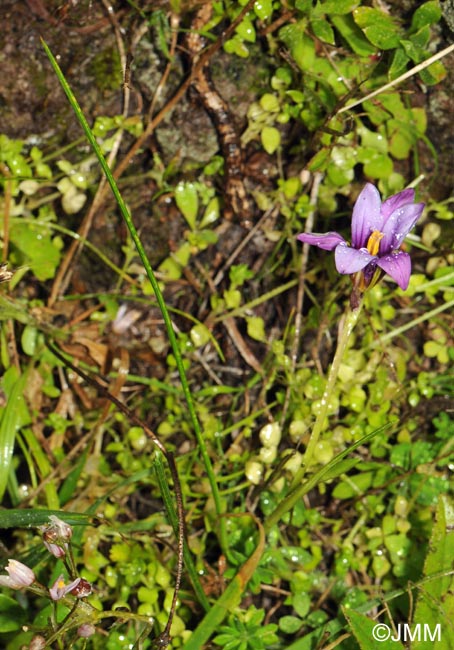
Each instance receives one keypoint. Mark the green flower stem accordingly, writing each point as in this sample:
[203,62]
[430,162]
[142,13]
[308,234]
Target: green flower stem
[297,488]
[218,503]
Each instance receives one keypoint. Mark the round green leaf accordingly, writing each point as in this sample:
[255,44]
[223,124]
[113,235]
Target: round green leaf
[271,139]
[256,328]
[290,624]
[246,31]
[379,167]
[200,335]
[263,9]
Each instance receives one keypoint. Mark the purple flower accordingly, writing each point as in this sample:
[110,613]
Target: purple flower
[19,575]
[378,230]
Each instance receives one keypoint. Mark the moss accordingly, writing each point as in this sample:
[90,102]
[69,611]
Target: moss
[106,69]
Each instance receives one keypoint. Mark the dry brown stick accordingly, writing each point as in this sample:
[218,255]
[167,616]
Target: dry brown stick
[241,346]
[174,24]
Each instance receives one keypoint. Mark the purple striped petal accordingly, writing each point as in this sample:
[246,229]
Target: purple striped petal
[349,260]
[398,266]
[366,215]
[398,225]
[328,241]
[397,201]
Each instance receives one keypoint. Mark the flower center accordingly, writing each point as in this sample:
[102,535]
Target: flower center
[373,243]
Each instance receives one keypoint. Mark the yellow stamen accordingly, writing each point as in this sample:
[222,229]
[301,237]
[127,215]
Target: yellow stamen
[373,243]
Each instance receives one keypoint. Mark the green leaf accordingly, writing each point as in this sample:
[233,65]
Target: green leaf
[432,75]
[427,14]
[301,46]
[39,250]
[200,335]
[187,200]
[398,64]
[323,30]
[290,624]
[421,40]
[353,486]
[211,213]
[246,30]
[20,518]
[400,145]
[12,616]
[263,9]
[271,139]
[436,597]
[239,273]
[318,162]
[342,467]
[380,166]
[13,416]
[379,27]
[304,6]
[365,631]
[373,139]
[338,6]
[347,28]
[256,328]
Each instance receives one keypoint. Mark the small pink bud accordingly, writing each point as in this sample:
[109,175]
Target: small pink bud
[20,576]
[86,630]
[54,549]
[37,643]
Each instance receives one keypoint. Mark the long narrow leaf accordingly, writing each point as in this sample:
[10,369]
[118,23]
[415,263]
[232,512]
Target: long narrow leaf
[155,285]
[13,417]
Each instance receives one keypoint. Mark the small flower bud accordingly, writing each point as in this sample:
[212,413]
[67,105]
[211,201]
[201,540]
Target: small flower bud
[56,536]
[37,643]
[86,630]
[20,576]
[82,589]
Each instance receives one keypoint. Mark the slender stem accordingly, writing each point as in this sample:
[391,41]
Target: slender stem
[346,326]
[297,488]
[218,503]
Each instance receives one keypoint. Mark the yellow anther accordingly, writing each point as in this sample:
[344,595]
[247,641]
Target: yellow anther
[373,243]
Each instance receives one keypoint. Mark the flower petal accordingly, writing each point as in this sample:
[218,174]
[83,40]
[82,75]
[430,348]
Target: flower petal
[398,266]
[349,260]
[398,225]
[397,201]
[328,241]
[366,215]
